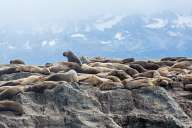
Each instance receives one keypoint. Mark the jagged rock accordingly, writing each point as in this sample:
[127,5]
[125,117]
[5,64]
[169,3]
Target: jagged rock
[84,106]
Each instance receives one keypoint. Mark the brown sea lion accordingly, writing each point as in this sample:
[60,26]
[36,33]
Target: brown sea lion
[120,74]
[138,67]
[172,58]
[72,57]
[17,61]
[11,106]
[186,79]
[7,92]
[135,84]
[89,70]
[93,80]
[33,69]
[116,66]
[39,87]
[7,70]
[114,78]
[147,65]
[24,81]
[183,65]
[148,74]
[64,66]
[128,60]
[165,63]
[110,85]
[70,76]
[184,59]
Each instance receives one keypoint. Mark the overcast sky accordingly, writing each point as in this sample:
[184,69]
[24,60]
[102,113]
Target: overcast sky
[52,10]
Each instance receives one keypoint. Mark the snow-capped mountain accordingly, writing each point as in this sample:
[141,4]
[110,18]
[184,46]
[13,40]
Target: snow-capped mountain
[139,36]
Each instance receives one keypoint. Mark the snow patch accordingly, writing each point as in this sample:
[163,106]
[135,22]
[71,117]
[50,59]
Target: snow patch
[183,22]
[101,25]
[105,42]
[157,23]
[79,35]
[11,47]
[174,34]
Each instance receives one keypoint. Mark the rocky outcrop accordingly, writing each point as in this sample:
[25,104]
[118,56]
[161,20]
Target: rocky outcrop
[77,106]
[163,101]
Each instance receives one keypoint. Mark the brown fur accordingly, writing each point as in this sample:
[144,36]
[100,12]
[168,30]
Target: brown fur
[148,74]
[11,106]
[131,71]
[72,57]
[10,92]
[70,76]
[41,86]
[94,80]
[33,69]
[120,74]
[183,65]
[147,65]
[89,70]
[110,85]
[17,61]
[128,60]
[113,78]
[172,58]
[134,84]
[138,67]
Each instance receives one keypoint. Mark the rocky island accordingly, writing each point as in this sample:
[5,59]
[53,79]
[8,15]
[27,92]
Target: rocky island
[97,93]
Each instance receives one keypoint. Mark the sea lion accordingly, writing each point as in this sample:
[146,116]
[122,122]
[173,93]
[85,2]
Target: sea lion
[89,70]
[120,74]
[138,67]
[184,59]
[163,82]
[114,78]
[93,80]
[70,76]
[131,71]
[39,87]
[11,106]
[128,60]
[110,85]
[148,74]
[147,65]
[164,63]
[17,61]
[172,58]
[72,57]
[183,65]
[48,65]
[29,80]
[8,92]
[7,70]
[186,79]
[135,84]
[116,66]
[33,69]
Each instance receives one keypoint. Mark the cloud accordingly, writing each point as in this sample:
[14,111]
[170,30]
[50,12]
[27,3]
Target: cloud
[35,11]
[52,43]
[27,45]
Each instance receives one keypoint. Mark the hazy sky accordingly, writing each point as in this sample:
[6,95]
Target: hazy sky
[50,10]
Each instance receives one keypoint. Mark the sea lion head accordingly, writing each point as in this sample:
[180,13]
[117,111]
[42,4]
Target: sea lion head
[67,53]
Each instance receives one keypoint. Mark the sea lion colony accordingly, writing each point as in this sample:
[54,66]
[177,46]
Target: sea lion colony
[105,74]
